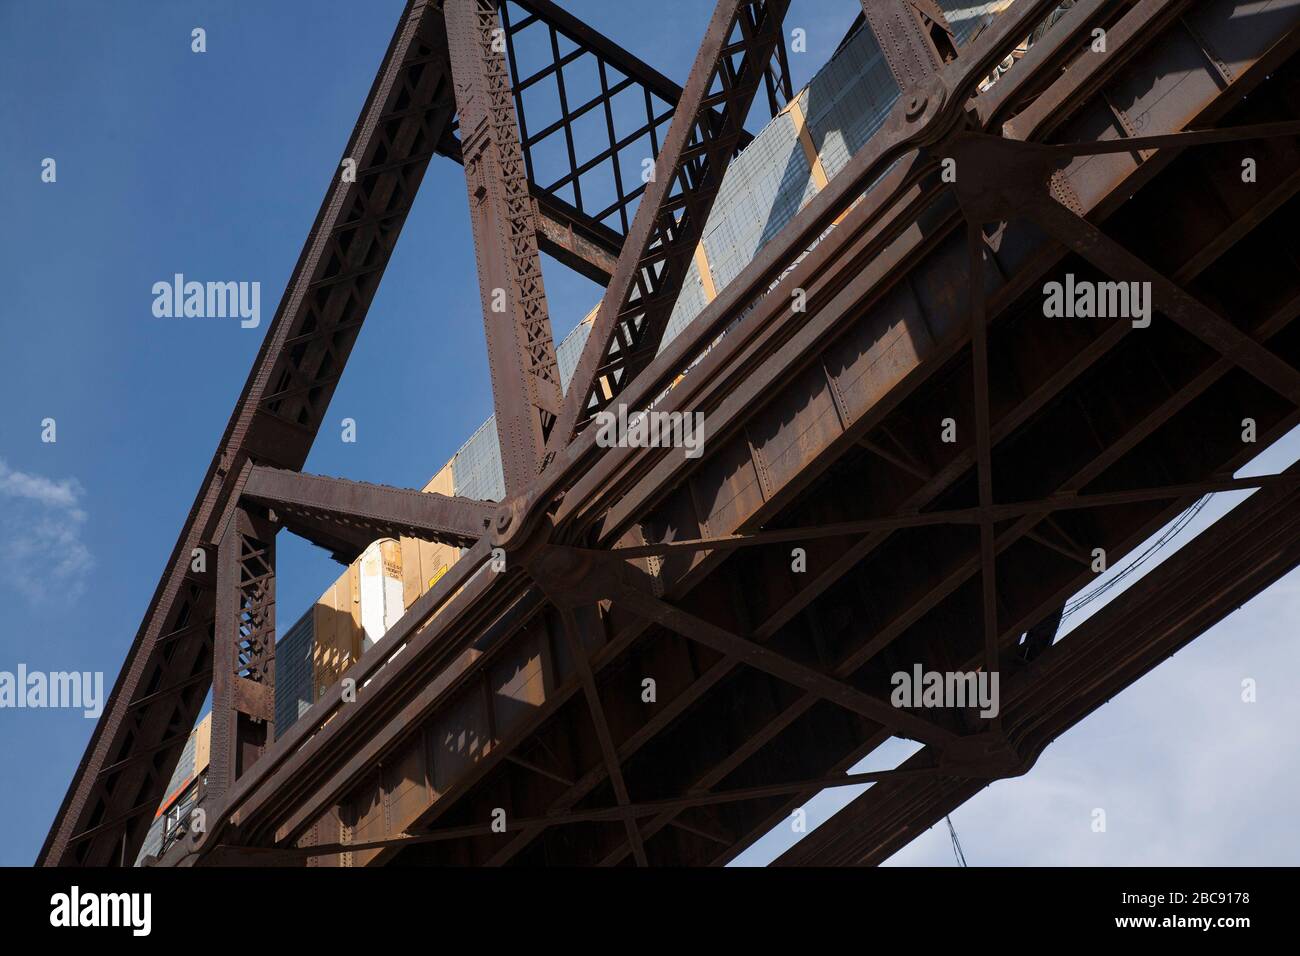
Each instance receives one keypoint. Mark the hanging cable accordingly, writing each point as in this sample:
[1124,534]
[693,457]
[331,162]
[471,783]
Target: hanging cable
[956,844]
[1179,523]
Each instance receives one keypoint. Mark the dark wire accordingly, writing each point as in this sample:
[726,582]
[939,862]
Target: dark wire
[956,844]
[1179,523]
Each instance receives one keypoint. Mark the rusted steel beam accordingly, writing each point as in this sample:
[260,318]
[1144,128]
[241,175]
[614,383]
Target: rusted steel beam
[1191,137]
[243,679]
[1086,75]
[240,855]
[983,444]
[568,237]
[1044,260]
[538,769]
[892,629]
[673,209]
[919,519]
[628,503]
[114,825]
[900,133]
[636,740]
[899,459]
[1010,179]
[671,711]
[1046,58]
[1142,430]
[202,676]
[521,353]
[905,130]
[586,37]
[1238,557]
[776,79]
[347,516]
[913,35]
[275,420]
[582,238]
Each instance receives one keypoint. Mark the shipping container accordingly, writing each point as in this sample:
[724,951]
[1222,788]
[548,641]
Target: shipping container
[182,791]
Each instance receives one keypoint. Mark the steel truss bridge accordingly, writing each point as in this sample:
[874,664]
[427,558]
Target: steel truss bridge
[516,698]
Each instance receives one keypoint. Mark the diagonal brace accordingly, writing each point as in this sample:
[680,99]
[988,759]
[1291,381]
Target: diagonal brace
[608,578]
[609,752]
[1172,300]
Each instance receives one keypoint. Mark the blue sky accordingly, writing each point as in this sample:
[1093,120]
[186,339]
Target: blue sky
[214,165]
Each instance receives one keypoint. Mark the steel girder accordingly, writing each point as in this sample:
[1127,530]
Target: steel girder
[788,260]
[913,35]
[521,353]
[346,516]
[611,60]
[1067,501]
[474,612]
[1224,239]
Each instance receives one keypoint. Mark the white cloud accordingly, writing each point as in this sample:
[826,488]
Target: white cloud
[42,554]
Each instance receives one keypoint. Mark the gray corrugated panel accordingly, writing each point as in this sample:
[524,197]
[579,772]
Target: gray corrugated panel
[767,184]
[848,100]
[183,772]
[689,303]
[184,767]
[763,189]
[152,841]
[293,674]
[476,469]
[569,351]
[966,17]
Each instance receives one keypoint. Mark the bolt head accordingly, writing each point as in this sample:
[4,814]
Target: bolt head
[916,105]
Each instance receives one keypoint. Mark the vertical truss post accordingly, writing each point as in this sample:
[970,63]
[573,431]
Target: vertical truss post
[573,630]
[983,442]
[243,667]
[913,35]
[521,352]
